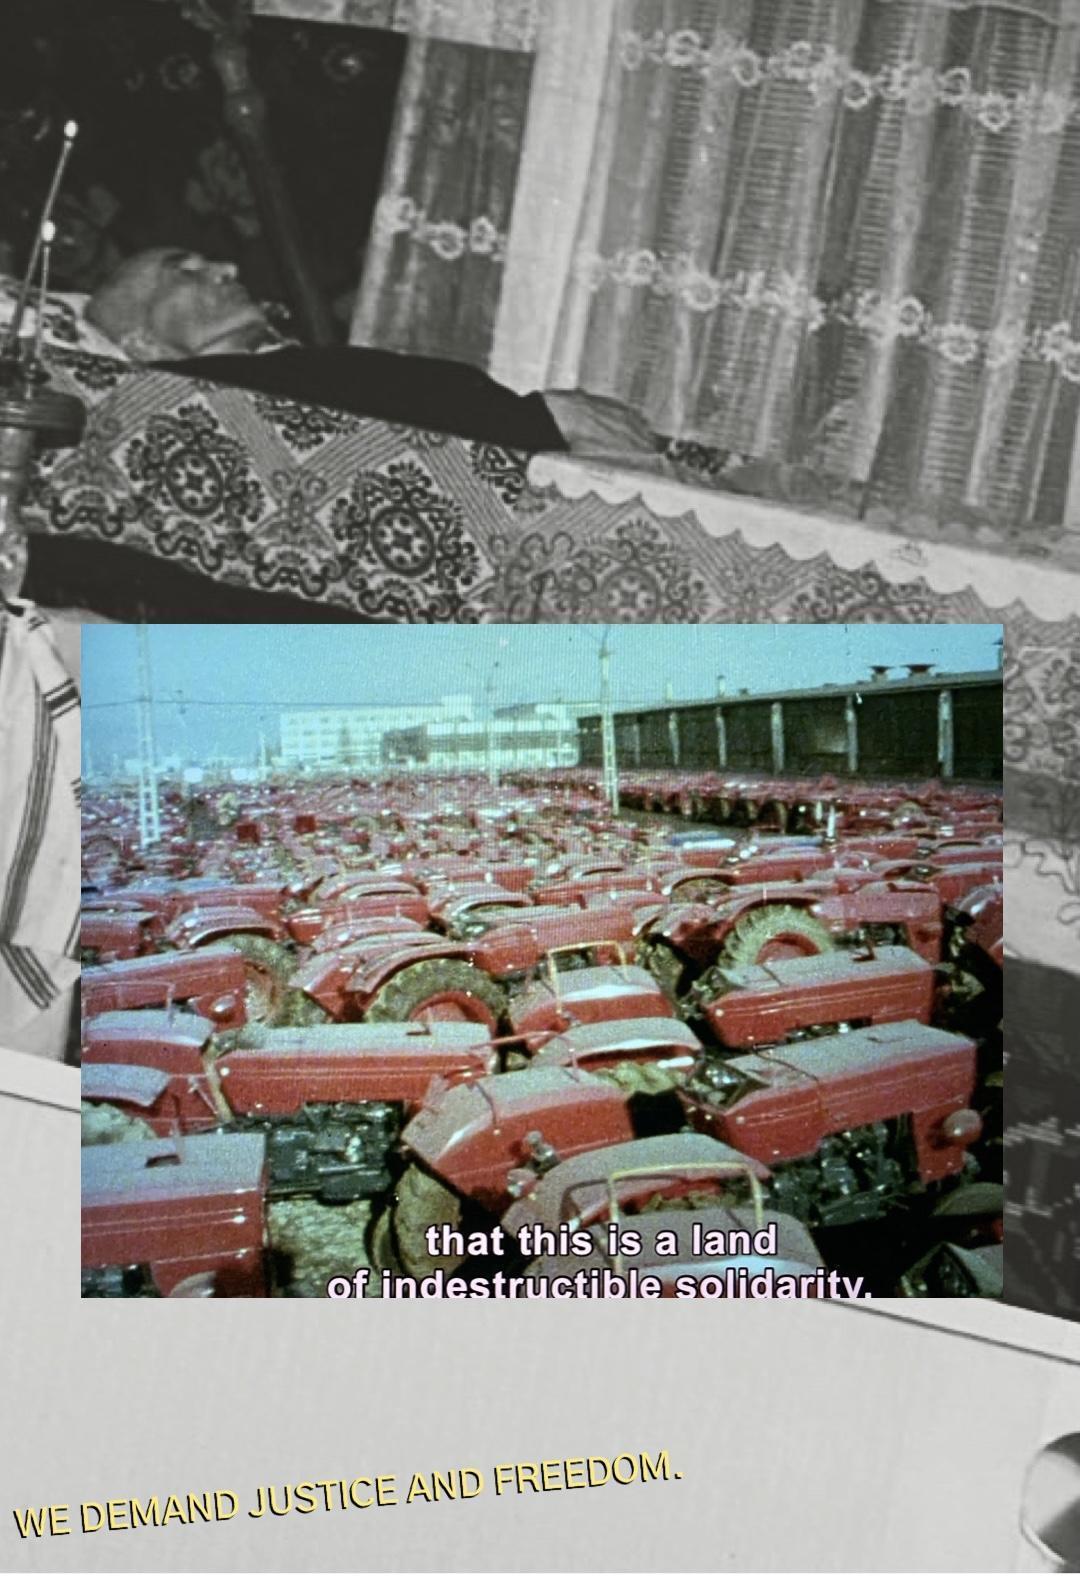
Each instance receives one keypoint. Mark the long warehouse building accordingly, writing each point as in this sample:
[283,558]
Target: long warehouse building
[946,725]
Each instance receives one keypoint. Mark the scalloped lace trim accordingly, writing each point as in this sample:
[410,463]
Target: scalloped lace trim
[826,74]
[782,294]
[1001,580]
[450,242]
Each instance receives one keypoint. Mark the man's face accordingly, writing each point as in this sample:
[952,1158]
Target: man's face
[182,302]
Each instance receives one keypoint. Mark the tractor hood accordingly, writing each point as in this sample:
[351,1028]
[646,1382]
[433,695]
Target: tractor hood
[473,1136]
[133,1036]
[277,1072]
[146,982]
[183,1207]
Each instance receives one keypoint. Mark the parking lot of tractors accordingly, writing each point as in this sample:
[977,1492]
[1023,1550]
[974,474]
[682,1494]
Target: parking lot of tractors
[319,1018]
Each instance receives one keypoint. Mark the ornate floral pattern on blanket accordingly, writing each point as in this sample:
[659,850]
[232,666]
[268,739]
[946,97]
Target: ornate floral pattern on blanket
[389,522]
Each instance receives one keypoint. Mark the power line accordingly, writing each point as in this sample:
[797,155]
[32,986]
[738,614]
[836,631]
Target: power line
[286,705]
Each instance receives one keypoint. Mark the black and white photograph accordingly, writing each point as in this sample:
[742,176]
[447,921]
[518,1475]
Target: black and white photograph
[739,342]
[537,311]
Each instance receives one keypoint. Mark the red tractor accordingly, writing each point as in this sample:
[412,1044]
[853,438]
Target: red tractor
[799,919]
[848,1127]
[467,910]
[220,982]
[130,922]
[367,899]
[170,1219]
[168,899]
[686,1273]
[329,1101]
[673,1192]
[773,1003]
[666,1044]
[432,977]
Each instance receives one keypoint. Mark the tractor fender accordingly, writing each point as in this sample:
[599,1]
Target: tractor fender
[522,943]
[371,971]
[351,932]
[161,1099]
[201,976]
[593,1046]
[681,925]
[645,915]
[306,924]
[195,927]
[325,977]
[473,1136]
[123,1084]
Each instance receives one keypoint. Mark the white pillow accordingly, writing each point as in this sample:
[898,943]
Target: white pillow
[66,327]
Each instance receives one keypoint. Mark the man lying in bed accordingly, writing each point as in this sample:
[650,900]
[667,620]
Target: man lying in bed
[175,306]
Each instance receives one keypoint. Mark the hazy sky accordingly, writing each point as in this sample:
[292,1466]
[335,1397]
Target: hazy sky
[217,685]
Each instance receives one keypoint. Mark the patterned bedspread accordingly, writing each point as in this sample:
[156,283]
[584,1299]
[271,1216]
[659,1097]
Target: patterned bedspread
[393,523]
[390,522]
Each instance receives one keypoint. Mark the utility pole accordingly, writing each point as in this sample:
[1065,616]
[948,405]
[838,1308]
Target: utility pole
[607,729]
[149,809]
[492,766]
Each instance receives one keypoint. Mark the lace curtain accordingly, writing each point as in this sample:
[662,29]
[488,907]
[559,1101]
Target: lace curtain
[834,243]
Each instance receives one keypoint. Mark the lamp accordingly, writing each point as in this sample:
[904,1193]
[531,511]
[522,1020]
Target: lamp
[32,415]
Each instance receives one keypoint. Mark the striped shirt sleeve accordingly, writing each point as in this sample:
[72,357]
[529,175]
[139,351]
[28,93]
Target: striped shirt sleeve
[39,818]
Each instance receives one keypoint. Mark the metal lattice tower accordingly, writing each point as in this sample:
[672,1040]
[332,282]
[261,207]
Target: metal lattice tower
[607,729]
[149,809]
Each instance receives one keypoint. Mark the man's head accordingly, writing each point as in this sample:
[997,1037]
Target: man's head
[166,304]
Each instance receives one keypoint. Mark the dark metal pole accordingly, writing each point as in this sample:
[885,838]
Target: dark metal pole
[245,115]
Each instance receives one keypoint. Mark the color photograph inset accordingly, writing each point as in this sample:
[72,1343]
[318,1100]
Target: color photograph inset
[511,963]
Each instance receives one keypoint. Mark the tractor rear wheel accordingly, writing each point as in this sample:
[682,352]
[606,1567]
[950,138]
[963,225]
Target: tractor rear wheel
[423,1201]
[267,954]
[774,932]
[269,967]
[107,1124]
[382,1252]
[442,990]
[299,1011]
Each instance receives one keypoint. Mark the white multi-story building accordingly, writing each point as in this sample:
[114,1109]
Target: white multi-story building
[324,738]
[539,734]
